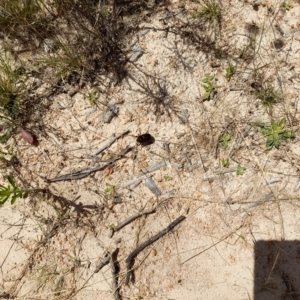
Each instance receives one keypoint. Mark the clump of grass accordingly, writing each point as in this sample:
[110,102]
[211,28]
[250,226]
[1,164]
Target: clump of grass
[210,10]
[23,19]
[268,96]
[65,61]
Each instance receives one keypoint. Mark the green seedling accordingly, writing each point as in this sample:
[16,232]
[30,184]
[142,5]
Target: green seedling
[167,178]
[240,170]
[110,189]
[275,133]
[229,72]
[111,226]
[225,163]
[11,192]
[224,140]
[92,95]
[286,5]
[104,11]
[208,86]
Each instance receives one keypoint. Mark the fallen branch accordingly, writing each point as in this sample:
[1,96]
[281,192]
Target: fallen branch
[154,167]
[114,274]
[132,218]
[84,173]
[130,259]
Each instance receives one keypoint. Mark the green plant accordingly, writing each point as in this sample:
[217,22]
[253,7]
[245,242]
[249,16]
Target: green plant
[275,133]
[111,226]
[224,139]
[209,10]
[167,178]
[240,170]
[92,95]
[225,163]
[109,189]
[229,72]
[286,5]
[268,96]
[104,11]
[11,191]
[208,86]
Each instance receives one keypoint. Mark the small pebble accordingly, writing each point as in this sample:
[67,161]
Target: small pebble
[137,52]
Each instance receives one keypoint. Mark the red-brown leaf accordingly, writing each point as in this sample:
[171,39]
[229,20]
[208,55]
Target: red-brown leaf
[27,136]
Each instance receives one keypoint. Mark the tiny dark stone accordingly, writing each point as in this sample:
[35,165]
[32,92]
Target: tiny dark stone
[278,44]
[145,139]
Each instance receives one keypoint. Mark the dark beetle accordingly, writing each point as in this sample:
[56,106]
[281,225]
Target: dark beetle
[145,139]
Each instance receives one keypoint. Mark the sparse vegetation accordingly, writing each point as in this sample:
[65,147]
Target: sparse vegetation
[58,58]
[12,93]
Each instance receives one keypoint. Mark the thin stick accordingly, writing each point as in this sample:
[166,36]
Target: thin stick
[87,172]
[103,263]
[130,259]
[112,140]
[132,218]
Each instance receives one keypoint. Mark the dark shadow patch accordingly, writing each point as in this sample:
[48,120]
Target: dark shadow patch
[277,269]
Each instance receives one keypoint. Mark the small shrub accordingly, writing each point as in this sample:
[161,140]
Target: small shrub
[224,139]
[208,86]
[11,191]
[275,133]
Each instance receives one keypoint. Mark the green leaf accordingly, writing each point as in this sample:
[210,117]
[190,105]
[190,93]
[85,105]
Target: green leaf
[269,144]
[276,140]
[282,123]
[7,135]
[289,135]
[25,194]
[13,199]
[4,200]
[11,181]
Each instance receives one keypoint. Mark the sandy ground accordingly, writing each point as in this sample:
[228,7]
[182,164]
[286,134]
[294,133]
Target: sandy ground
[52,243]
